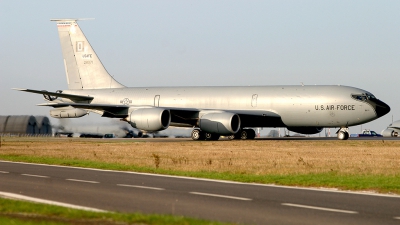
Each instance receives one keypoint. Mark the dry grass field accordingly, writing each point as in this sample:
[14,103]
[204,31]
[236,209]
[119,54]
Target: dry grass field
[258,157]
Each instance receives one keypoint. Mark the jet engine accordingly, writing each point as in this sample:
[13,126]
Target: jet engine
[150,119]
[67,112]
[223,123]
[306,130]
[390,133]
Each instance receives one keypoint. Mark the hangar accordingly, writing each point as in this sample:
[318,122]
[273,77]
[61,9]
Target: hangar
[25,124]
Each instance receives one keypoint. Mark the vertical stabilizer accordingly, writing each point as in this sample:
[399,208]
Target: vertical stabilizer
[83,68]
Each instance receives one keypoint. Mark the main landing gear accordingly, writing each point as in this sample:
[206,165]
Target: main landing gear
[198,135]
[343,133]
[242,134]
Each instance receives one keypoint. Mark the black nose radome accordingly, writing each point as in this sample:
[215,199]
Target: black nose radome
[381,108]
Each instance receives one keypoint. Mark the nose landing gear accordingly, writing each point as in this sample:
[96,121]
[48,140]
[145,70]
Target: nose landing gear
[343,133]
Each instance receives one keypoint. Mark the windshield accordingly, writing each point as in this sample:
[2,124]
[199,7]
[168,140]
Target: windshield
[359,97]
[369,96]
[363,96]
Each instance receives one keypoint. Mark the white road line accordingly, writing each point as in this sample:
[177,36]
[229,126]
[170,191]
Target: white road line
[33,175]
[396,218]
[84,181]
[144,187]
[4,172]
[39,200]
[221,196]
[320,208]
[217,181]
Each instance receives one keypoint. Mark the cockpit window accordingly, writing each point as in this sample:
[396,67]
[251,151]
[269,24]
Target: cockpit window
[359,97]
[369,96]
[363,96]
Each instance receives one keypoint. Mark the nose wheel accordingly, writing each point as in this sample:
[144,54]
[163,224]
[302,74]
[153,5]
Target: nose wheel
[343,134]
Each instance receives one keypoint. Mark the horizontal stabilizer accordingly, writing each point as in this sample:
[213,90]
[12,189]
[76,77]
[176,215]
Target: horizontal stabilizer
[74,98]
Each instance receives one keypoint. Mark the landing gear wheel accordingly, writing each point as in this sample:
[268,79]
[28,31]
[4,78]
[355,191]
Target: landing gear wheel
[343,135]
[251,134]
[245,134]
[198,135]
[211,136]
[236,136]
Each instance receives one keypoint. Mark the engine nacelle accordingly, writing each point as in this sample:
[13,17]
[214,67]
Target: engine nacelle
[306,130]
[67,112]
[390,133]
[223,123]
[150,119]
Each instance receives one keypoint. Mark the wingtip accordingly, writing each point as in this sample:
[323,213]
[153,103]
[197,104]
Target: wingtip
[19,89]
[46,104]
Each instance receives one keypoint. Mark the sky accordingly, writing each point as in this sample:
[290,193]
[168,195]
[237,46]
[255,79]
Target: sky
[206,43]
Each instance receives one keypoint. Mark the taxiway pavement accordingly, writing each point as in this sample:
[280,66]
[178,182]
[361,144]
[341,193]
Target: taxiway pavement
[200,198]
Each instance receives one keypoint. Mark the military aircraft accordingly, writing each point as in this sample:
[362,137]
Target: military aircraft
[210,111]
[392,130]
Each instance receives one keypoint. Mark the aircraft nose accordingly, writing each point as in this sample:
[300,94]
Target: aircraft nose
[381,108]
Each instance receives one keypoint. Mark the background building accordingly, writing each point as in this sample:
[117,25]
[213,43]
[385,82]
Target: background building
[25,124]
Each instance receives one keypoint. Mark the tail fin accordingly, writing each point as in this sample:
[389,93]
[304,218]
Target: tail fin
[83,68]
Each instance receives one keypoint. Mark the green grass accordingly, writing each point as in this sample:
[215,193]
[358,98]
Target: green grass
[27,213]
[378,183]
[26,221]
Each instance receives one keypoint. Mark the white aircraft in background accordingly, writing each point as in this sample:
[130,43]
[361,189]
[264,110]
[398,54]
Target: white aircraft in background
[392,130]
[88,129]
[210,111]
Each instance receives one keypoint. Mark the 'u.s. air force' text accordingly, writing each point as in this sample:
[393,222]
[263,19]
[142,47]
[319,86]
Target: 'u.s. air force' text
[334,107]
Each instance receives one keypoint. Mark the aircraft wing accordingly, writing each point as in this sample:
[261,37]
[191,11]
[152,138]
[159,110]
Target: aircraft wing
[75,98]
[249,118]
[117,111]
[181,116]
[121,111]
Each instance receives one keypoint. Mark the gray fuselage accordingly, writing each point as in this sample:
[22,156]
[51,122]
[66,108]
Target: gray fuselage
[297,106]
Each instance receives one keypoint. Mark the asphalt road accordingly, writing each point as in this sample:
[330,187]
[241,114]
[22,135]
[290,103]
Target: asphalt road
[199,198]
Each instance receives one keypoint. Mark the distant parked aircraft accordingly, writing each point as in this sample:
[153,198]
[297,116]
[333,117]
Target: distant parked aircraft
[75,129]
[392,130]
[211,111]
